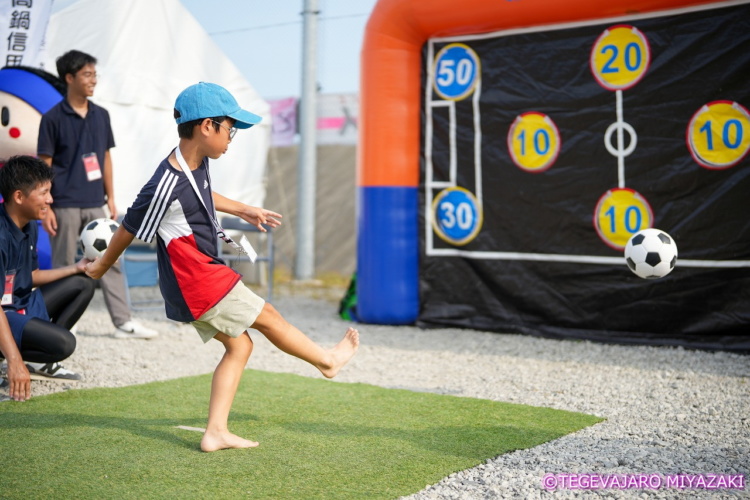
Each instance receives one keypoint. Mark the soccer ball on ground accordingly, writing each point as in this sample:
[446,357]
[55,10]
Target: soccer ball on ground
[95,237]
[651,253]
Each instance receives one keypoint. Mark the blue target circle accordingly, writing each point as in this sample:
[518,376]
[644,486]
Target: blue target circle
[456,71]
[457,216]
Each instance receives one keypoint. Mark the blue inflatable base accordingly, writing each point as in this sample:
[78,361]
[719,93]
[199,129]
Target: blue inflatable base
[387,256]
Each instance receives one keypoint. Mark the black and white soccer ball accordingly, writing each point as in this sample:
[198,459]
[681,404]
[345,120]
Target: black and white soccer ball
[96,236]
[651,253]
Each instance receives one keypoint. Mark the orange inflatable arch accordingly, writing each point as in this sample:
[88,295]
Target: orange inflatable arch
[389,135]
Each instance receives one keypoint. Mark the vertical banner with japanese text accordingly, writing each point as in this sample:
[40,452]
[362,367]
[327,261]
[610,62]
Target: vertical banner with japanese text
[23,24]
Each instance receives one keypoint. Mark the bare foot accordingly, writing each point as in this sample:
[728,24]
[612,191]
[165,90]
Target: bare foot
[213,441]
[341,353]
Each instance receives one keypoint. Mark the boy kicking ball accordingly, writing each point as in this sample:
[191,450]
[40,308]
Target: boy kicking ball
[178,207]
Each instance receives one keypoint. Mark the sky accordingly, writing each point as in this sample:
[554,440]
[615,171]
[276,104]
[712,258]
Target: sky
[264,40]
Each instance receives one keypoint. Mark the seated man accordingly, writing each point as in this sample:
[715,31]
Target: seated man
[40,306]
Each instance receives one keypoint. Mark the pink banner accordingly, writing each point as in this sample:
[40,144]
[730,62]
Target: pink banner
[337,118]
[284,119]
[336,122]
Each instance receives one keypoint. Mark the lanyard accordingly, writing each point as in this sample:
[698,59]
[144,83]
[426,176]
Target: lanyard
[244,245]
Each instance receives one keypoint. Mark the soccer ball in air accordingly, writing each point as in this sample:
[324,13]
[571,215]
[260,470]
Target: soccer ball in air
[95,237]
[651,253]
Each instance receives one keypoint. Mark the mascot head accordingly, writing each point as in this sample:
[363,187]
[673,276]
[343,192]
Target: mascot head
[25,95]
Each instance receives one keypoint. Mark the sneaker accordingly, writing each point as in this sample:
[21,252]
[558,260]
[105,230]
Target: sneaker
[133,330]
[51,371]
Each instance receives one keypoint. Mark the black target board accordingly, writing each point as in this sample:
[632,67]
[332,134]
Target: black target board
[544,150]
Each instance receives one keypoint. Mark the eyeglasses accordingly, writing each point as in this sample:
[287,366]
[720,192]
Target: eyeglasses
[231,131]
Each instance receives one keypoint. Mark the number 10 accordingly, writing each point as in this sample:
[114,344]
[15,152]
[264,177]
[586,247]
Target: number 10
[632,219]
[725,134]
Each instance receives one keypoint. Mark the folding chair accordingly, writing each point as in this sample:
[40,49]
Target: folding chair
[238,224]
[140,270]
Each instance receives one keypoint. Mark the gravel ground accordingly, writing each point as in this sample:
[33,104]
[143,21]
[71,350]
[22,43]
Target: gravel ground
[667,410]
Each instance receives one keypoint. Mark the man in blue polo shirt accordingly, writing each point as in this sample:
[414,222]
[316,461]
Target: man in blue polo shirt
[39,305]
[75,137]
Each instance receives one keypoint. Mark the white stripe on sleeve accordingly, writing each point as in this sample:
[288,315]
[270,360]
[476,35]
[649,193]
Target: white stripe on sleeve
[157,207]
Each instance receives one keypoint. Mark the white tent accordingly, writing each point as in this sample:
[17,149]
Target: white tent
[148,51]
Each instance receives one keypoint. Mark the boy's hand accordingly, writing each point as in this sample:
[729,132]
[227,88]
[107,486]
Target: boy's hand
[258,216]
[19,381]
[95,269]
[81,265]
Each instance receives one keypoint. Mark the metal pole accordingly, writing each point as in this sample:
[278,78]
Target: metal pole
[305,259]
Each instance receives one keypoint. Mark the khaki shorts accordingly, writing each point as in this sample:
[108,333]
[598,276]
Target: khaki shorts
[233,315]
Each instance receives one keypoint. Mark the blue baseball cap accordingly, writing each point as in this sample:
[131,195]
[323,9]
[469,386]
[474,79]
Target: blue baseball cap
[208,100]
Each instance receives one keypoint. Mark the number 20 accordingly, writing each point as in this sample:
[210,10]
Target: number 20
[632,57]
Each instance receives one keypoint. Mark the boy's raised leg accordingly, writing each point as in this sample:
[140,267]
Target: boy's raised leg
[292,341]
[224,385]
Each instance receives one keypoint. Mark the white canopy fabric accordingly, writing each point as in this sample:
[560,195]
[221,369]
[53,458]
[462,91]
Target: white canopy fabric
[148,51]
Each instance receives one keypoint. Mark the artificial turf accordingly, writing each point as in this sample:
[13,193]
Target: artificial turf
[319,439]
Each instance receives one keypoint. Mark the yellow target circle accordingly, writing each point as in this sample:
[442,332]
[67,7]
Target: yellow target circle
[619,214]
[620,57]
[718,134]
[533,141]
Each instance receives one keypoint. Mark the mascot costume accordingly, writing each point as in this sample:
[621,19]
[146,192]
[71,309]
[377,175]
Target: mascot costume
[25,95]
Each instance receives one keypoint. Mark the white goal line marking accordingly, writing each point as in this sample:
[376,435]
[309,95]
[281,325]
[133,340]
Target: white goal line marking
[585,259]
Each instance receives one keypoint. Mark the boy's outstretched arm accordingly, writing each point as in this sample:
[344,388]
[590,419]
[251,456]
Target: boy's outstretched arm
[253,215]
[41,277]
[120,241]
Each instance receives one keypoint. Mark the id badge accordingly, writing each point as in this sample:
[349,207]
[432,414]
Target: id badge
[248,249]
[91,164]
[8,291]
[244,246]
